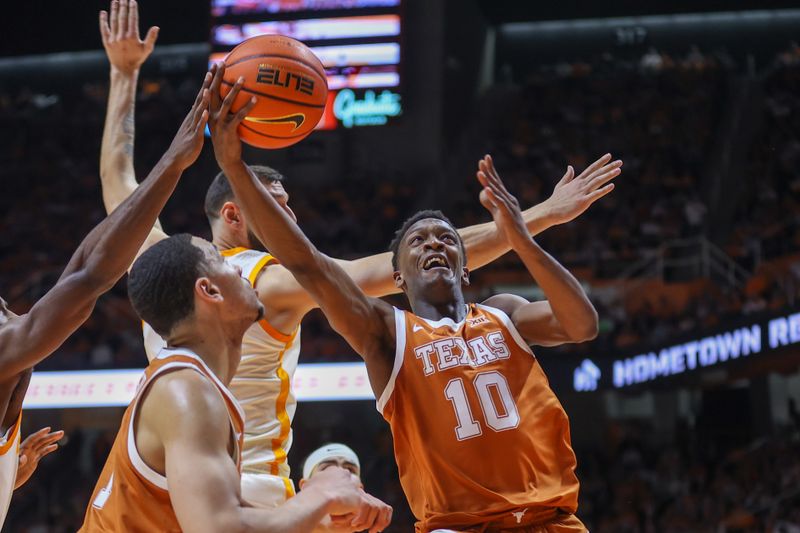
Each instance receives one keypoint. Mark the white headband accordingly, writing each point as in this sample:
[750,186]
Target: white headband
[327,452]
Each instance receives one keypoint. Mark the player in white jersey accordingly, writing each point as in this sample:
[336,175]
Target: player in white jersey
[270,350]
[95,267]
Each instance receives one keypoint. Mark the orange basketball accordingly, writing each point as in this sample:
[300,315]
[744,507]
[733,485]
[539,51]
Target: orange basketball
[289,82]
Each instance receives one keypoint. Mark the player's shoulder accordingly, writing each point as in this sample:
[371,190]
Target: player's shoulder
[182,399]
[507,303]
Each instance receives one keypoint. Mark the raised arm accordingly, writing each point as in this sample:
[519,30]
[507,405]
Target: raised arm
[103,256]
[126,53]
[188,417]
[288,301]
[567,315]
[366,323]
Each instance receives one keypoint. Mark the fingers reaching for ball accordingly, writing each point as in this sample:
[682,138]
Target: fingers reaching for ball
[223,121]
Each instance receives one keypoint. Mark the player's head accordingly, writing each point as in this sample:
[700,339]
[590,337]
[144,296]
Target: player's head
[182,283]
[332,454]
[428,255]
[226,217]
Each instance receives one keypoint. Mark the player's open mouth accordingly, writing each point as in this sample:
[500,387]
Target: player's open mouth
[435,261]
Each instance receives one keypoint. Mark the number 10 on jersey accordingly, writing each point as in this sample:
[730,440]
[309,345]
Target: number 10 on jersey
[502,419]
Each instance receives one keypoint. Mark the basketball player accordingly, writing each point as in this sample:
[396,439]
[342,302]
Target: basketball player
[97,264]
[481,441]
[331,454]
[176,462]
[271,348]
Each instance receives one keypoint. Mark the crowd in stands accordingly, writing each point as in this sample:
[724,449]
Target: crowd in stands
[564,113]
[643,488]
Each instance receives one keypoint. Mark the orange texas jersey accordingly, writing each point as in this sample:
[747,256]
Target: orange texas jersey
[478,433]
[130,496]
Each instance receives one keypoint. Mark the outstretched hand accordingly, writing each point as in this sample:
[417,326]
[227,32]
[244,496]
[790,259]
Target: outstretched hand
[222,122]
[188,142]
[351,508]
[32,449]
[573,195]
[503,206]
[120,32]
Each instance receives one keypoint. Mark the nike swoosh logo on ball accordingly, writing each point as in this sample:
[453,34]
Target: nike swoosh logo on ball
[297,119]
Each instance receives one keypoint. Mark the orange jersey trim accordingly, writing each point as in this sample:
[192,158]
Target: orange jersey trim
[263,262]
[275,334]
[12,436]
[232,251]
[280,409]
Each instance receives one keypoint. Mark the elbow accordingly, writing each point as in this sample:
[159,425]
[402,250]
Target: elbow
[587,329]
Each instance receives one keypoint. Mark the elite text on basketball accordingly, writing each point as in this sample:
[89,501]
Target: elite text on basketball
[274,76]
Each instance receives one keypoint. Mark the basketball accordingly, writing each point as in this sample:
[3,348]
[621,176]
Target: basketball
[289,82]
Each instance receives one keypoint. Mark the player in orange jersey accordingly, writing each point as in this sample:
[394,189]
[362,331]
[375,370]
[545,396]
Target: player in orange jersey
[176,462]
[98,263]
[505,462]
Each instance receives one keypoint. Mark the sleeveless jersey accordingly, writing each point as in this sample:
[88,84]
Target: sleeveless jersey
[9,460]
[262,383]
[129,495]
[479,436]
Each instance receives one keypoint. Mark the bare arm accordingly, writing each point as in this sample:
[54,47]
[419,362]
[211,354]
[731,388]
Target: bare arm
[190,422]
[567,315]
[103,256]
[287,301]
[126,52]
[366,323]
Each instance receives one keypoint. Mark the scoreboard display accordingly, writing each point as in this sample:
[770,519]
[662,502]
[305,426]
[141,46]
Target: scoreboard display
[358,42]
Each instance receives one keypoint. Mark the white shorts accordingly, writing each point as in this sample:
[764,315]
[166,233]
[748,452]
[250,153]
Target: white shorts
[265,490]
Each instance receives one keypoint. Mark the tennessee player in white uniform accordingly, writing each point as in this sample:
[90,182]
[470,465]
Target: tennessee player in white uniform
[269,355]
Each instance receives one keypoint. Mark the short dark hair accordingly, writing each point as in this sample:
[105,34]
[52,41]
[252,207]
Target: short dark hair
[161,282]
[220,190]
[394,246]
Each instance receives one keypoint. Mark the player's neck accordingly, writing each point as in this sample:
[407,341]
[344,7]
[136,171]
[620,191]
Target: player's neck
[226,242]
[454,309]
[219,350]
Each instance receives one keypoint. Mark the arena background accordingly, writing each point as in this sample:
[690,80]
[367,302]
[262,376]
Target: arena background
[684,410]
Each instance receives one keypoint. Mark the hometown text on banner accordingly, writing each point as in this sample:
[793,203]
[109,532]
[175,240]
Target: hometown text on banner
[754,339]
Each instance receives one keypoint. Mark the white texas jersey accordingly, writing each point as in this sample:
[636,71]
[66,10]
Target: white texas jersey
[262,384]
[9,460]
